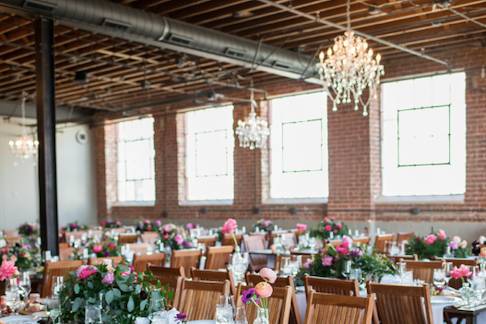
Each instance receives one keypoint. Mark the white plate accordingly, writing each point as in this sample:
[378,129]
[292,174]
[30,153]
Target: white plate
[18,319]
[443,300]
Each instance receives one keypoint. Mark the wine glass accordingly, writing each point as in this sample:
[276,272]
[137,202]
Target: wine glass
[12,296]
[224,310]
[240,316]
[58,282]
[25,284]
[347,269]
[439,278]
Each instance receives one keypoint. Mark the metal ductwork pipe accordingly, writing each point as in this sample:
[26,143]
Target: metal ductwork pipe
[120,21]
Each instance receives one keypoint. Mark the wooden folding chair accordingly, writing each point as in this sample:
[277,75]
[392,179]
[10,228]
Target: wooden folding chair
[218,257]
[199,298]
[457,262]
[127,238]
[170,278]
[139,248]
[362,240]
[57,269]
[331,286]
[325,308]
[294,316]
[402,304]
[278,306]
[207,240]
[255,242]
[423,270]
[228,239]
[215,275]
[404,236]
[382,241]
[185,258]
[150,237]
[116,260]
[140,262]
[65,252]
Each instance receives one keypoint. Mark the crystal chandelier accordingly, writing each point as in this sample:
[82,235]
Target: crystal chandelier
[349,68]
[253,131]
[23,146]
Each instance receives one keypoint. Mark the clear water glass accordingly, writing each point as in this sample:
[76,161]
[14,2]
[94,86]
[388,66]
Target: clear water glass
[12,296]
[92,314]
[57,284]
[240,315]
[224,310]
[439,278]
[25,285]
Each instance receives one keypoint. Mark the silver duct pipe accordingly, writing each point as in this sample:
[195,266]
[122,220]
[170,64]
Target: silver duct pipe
[116,20]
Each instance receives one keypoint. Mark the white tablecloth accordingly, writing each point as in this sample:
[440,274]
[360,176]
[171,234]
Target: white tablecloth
[437,309]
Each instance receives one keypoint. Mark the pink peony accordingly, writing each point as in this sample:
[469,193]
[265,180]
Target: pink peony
[342,249]
[308,263]
[327,261]
[7,270]
[97,249]
[268,275]
[347,241]
[263,289]
[230,226]
[86,271]
[462,272]
[328,228]
[179,239]
[167,227]
[109,278]
[339,226]
[430,239]
[441,235]
[301,228]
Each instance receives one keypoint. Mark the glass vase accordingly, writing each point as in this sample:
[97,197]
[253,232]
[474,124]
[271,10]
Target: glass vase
[467,293]
[262,316]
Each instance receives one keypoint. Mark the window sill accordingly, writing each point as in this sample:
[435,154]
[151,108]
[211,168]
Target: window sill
[134,204]
[421,199]
[296,201]
[214,202]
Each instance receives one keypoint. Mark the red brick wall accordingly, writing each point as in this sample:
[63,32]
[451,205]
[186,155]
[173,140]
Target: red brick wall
[354,162]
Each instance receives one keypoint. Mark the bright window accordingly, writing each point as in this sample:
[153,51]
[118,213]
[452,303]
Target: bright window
[136,160]
[209,154]
[298,147]
[424,136]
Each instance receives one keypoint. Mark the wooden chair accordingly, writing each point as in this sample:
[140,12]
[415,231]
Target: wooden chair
[140,262]
[65,252]
[362,240]
[116,260]
[255,242]
[139,248]
[294,317]
[331,286]
[404,236]
[199,298]
[218,257]
[214,275]
[207,240]
[401,258]
[228,239]
[325,308]
[185,258]
[150,237]
[457,262]
[402,304]
[278,306]
[127,238]
[381,242]
[57,269]
[170,278]
[423,270]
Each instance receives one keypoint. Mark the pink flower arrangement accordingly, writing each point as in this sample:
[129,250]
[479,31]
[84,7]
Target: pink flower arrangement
[268,275]
[441,235]
[328,228]
[430,239]
[301,228]
[109,278]
[179,239]
[97,248]
[263,289]
[86,271]
[327,261]
[344,247]
[7,269]
[462,272]
[230,226]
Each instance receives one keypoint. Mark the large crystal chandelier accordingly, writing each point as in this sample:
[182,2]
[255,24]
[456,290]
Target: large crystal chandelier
[253,131]
[349,68]
[23,146]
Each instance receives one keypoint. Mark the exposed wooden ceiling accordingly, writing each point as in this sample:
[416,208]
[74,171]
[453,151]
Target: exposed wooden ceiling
[123,74]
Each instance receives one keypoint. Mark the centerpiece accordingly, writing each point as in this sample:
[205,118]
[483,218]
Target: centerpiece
[172,237]
[437,245]
[122,294]
[73,227]
[260,294]
[107,248]
[27,230]
[328,228]
[110,224]
[148,225]
[264,225]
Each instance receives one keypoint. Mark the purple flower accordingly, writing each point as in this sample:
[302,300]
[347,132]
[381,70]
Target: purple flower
[454,245]
[108,278]
[181,317]
[248,295]
[179,239]
[327,261]
[190,226]
[355,253]
[187,245]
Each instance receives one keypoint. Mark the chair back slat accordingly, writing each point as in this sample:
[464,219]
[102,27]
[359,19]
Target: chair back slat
[199,298]
[57,269]
[402,304]
[423,270]
[331,286]
[140,262]
[127,238]
[218,257]
[170,278]
[185,258]
[330,309]
[214,275]
[207,240]
[363,240]
[381,242]
[278,306]
[228,239]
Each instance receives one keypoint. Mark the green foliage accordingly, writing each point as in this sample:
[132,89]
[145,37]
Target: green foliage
[375,266]
[327,226]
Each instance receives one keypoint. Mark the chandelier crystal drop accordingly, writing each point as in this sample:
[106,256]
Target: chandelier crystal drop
[23,146]
[253,131]
[349,68]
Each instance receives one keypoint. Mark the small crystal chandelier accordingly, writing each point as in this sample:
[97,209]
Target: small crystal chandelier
[349,68]
[253,131]
[23,146]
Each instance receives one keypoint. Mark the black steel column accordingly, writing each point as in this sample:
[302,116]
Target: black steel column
[46,128]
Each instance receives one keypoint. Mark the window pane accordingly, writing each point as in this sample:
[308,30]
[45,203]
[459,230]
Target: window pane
[209,154]
[298,143]
[424,136]
[136,160]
